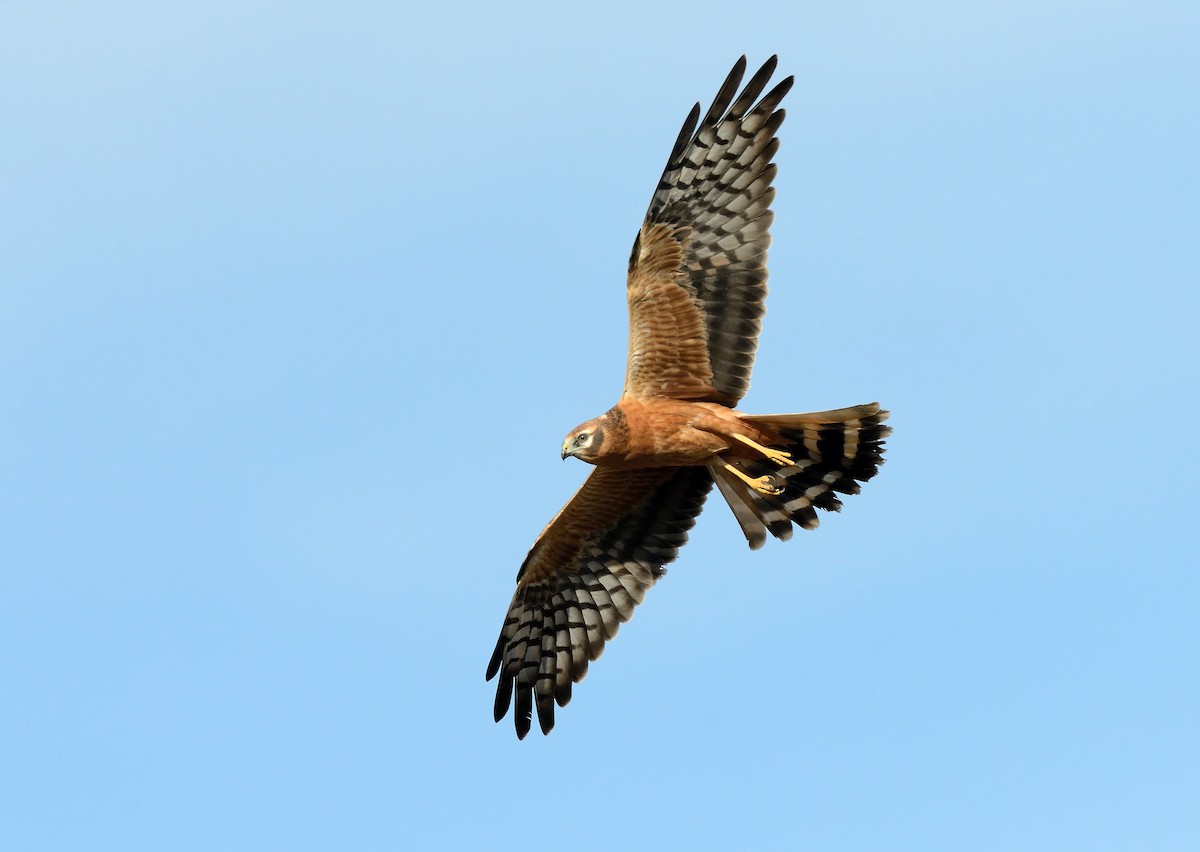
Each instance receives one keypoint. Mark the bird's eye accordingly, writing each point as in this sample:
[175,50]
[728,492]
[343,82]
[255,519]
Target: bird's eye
[581,438]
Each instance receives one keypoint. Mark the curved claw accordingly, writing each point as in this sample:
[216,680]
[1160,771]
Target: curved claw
[763,484]
[766,485]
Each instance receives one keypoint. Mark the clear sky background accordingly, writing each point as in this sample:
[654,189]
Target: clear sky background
[297,302]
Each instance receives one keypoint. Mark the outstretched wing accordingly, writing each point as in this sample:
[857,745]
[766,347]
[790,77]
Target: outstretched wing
[697,273]
[581,580]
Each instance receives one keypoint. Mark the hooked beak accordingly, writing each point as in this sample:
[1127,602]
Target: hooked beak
[566,450]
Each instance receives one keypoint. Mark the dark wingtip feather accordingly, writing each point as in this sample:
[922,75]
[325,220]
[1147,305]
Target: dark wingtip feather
[784,86]
[503,697]
[523,714]
[545,715]
[725,94]
[753,88]
[685,133]
[497,658]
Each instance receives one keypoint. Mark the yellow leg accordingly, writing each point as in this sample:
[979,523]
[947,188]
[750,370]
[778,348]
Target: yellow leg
[778,456]
[763,485]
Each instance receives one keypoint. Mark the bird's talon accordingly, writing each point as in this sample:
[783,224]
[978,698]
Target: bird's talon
[765,485]
[779,457]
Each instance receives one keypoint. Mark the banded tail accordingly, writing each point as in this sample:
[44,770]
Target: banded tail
[832,452]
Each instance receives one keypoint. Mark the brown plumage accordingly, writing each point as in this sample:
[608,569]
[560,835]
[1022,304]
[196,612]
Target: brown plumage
[696,289]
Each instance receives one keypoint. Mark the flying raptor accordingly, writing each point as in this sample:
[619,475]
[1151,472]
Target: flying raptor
[697,284]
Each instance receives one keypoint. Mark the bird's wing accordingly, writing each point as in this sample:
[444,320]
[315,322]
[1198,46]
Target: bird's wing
[584,575]
[697,274]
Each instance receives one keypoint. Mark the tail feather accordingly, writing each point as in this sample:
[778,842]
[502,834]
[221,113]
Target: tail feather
[749,518]
[832,452]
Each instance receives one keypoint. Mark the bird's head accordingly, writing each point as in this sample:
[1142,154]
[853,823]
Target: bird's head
[584,441]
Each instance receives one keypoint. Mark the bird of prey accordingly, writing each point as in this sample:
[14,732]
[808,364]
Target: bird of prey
[697,282]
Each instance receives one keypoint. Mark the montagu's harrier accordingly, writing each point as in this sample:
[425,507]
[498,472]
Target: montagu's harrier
[697,282]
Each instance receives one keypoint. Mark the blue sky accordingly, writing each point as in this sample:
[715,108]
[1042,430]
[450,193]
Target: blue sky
[297,302]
